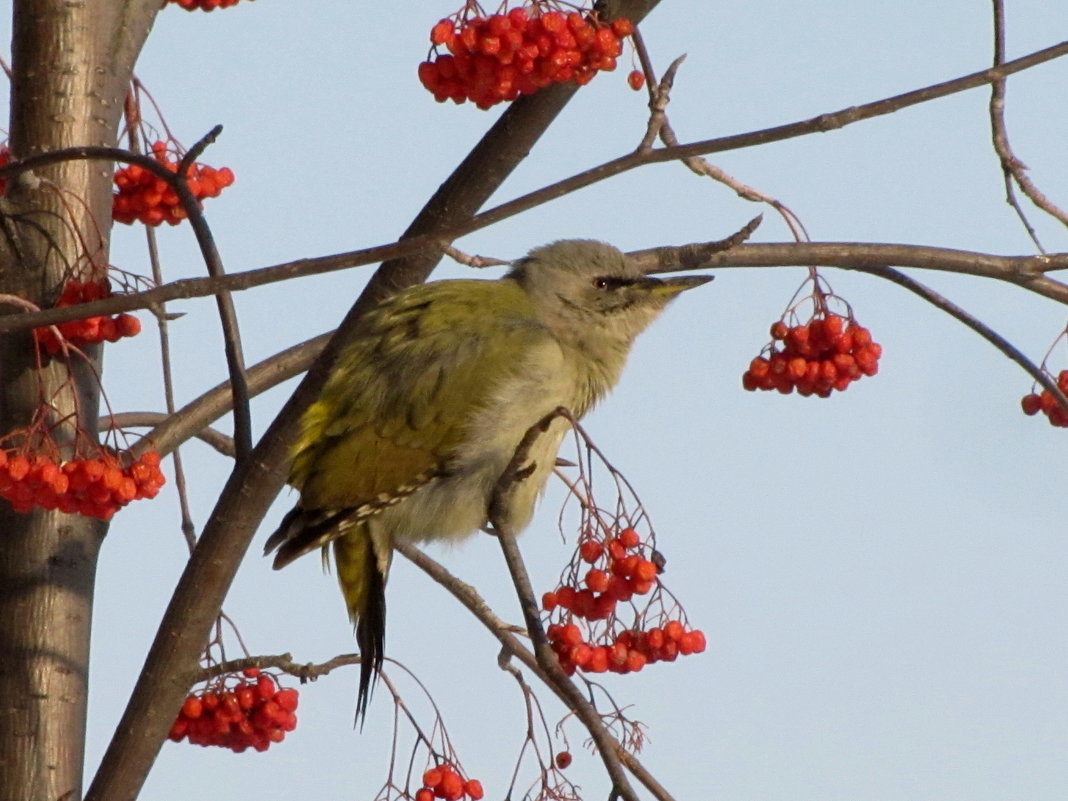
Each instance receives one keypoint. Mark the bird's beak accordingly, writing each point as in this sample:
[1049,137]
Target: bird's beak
[668,288]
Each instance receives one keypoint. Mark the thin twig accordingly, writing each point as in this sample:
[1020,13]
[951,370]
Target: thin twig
[305,671]
[468,260]
[1012,168]
[133,114]
[517,471]
[235,359]
[981,328]
[506,636]
[219,441]
[193,418]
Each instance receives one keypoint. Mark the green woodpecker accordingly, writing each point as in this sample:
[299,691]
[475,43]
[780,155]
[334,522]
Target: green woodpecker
[426,406]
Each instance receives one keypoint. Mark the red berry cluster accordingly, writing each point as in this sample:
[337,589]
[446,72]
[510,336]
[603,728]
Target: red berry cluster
[618,572]
[827,353]
[90,330]
[249,713]
[1045,402]
[629,652]
[96,487]
[445,782]
[144,196]
[204,5]
[5,159]
[502,56]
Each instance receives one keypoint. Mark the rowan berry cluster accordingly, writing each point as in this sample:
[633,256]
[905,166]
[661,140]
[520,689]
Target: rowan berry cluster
[617,572]
[499,57]
[1045,402]
[827,353]
[94,487]
[251,712]
[204,5]
[444,781]
[89,330]
[146,197]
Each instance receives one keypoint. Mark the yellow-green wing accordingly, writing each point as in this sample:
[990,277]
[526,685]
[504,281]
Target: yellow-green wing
[396,406]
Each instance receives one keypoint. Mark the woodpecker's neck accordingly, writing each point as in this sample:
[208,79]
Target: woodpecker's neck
[598,363]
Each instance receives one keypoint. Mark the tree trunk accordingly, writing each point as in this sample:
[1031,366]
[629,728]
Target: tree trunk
[71,64]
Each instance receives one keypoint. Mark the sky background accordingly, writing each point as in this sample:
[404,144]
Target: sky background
[880,575]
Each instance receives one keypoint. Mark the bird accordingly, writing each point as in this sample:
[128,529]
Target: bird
[426,404]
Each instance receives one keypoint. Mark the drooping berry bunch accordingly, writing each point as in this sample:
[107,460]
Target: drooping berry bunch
[143,196]
[827,353]
[204,5]
[1044,402]
[613,572]
[94,487]
[89,330]
[444,781]
[238,712]
[498,57]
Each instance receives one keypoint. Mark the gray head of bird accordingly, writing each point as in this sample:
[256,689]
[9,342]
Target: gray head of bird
[587,290]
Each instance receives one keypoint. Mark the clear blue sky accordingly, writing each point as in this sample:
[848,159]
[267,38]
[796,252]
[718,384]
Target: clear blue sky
[881,575]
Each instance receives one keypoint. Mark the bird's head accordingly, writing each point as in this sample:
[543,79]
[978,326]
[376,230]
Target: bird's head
[586,291]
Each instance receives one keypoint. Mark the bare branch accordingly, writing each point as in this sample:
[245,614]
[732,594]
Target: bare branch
[506,636]
[216,439]
[516,472]
[1013,169]
[305,671]
[1026,272]
[431,242]
[256,481]
[467,260]
[985,331]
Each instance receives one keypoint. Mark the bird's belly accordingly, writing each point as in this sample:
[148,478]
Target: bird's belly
[456,506]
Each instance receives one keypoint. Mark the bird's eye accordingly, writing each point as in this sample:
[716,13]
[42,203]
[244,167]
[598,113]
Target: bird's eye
[601,283]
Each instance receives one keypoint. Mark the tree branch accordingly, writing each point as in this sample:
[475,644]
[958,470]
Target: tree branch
[256,481]
[447,231]
[506,635]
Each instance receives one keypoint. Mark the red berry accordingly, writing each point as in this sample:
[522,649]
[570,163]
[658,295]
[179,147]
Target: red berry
[636,80]
[590,551]
[128,325]
[563,759]
[629,538]
[193,707]
[597,580]
[288,699]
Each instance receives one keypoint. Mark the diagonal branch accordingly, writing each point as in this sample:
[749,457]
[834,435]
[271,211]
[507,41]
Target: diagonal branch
[256,481]
[986,332]
[505,634]
[607,746]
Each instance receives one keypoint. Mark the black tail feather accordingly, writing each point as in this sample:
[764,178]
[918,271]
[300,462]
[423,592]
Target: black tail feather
[371,638]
